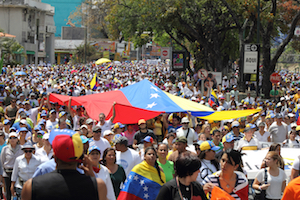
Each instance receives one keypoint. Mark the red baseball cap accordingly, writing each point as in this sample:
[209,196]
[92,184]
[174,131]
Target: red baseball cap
[68,148]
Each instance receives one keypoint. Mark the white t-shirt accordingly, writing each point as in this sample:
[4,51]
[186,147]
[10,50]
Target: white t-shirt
[102,143]
[51,125]
[33,114]
[290,144]
[207,168]
[42,155]
[274,190]
[128,159]
[76,122]
[191,137]
[262,138]
[106,126]
[104,175]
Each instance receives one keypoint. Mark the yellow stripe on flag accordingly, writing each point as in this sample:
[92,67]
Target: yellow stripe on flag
[149,172]
[94,81]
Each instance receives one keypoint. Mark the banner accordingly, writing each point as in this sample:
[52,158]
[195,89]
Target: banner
[253,159]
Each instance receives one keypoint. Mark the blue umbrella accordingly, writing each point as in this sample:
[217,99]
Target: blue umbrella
[20,73]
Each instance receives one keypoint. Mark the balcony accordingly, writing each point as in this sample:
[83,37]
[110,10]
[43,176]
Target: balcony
[28,3]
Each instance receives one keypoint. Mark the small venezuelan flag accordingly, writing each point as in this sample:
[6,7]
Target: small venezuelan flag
[108,66]
[143,182]
[94,82]
[213,98]
[117,80]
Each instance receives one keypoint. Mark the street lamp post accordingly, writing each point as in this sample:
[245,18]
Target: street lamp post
[258,43]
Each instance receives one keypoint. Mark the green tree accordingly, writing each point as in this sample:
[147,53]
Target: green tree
[11,48]
[91,53]
[201,27]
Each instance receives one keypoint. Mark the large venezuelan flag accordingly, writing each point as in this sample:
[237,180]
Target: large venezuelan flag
[143,182]
[144,100]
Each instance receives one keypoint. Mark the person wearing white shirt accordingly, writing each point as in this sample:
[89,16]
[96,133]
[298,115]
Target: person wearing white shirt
[32,112]
[52,121]
[248,142]
[187,132]
[97,140]
[101,171]
[24,168]
[125,156]
[291,142]
[249,99]
[261,134]
[106,124]
[46,152]
[225,82]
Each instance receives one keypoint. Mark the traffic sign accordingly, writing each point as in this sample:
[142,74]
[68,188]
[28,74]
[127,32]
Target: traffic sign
[202,74]
[251,58]
[275,78]
[165,53]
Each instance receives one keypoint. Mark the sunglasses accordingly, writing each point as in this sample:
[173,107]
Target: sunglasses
[97,131]
[40,136]
[28,151]
[12,138]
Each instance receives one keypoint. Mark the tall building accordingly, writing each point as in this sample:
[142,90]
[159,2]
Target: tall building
[31,21]
[63,9]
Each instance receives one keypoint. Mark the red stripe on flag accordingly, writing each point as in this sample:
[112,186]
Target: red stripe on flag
[125,195]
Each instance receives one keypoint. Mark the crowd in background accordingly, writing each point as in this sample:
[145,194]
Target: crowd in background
[117,150]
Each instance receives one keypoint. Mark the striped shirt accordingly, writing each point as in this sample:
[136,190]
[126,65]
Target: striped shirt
[240,184]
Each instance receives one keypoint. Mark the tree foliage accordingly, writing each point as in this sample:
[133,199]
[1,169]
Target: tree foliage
[91,54]
[11,48]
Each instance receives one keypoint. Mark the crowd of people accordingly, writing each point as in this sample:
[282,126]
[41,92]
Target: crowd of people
[152,158]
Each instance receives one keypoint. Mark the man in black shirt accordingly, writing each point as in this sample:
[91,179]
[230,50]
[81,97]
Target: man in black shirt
[66,183]
[142,133]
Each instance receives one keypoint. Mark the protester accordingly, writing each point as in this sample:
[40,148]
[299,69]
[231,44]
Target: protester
[276,177]
[166,165]
[101,171]
[292,190]
[9,154]
[97,140]
[278,130]
[184,185]
[45,153]
[231,179]
[126,157]
[117,173]
[68,153]
[180,146]
[248,142]
[187,132]
[291,142]
[261,134]
[209,164]
[145,179]
[142,133]
[24,167]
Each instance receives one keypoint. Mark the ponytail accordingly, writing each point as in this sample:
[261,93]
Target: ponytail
[158,170]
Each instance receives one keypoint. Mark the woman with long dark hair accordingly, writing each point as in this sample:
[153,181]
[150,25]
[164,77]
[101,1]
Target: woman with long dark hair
[166,165]
[230,178]
[145,179]
[117,173]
